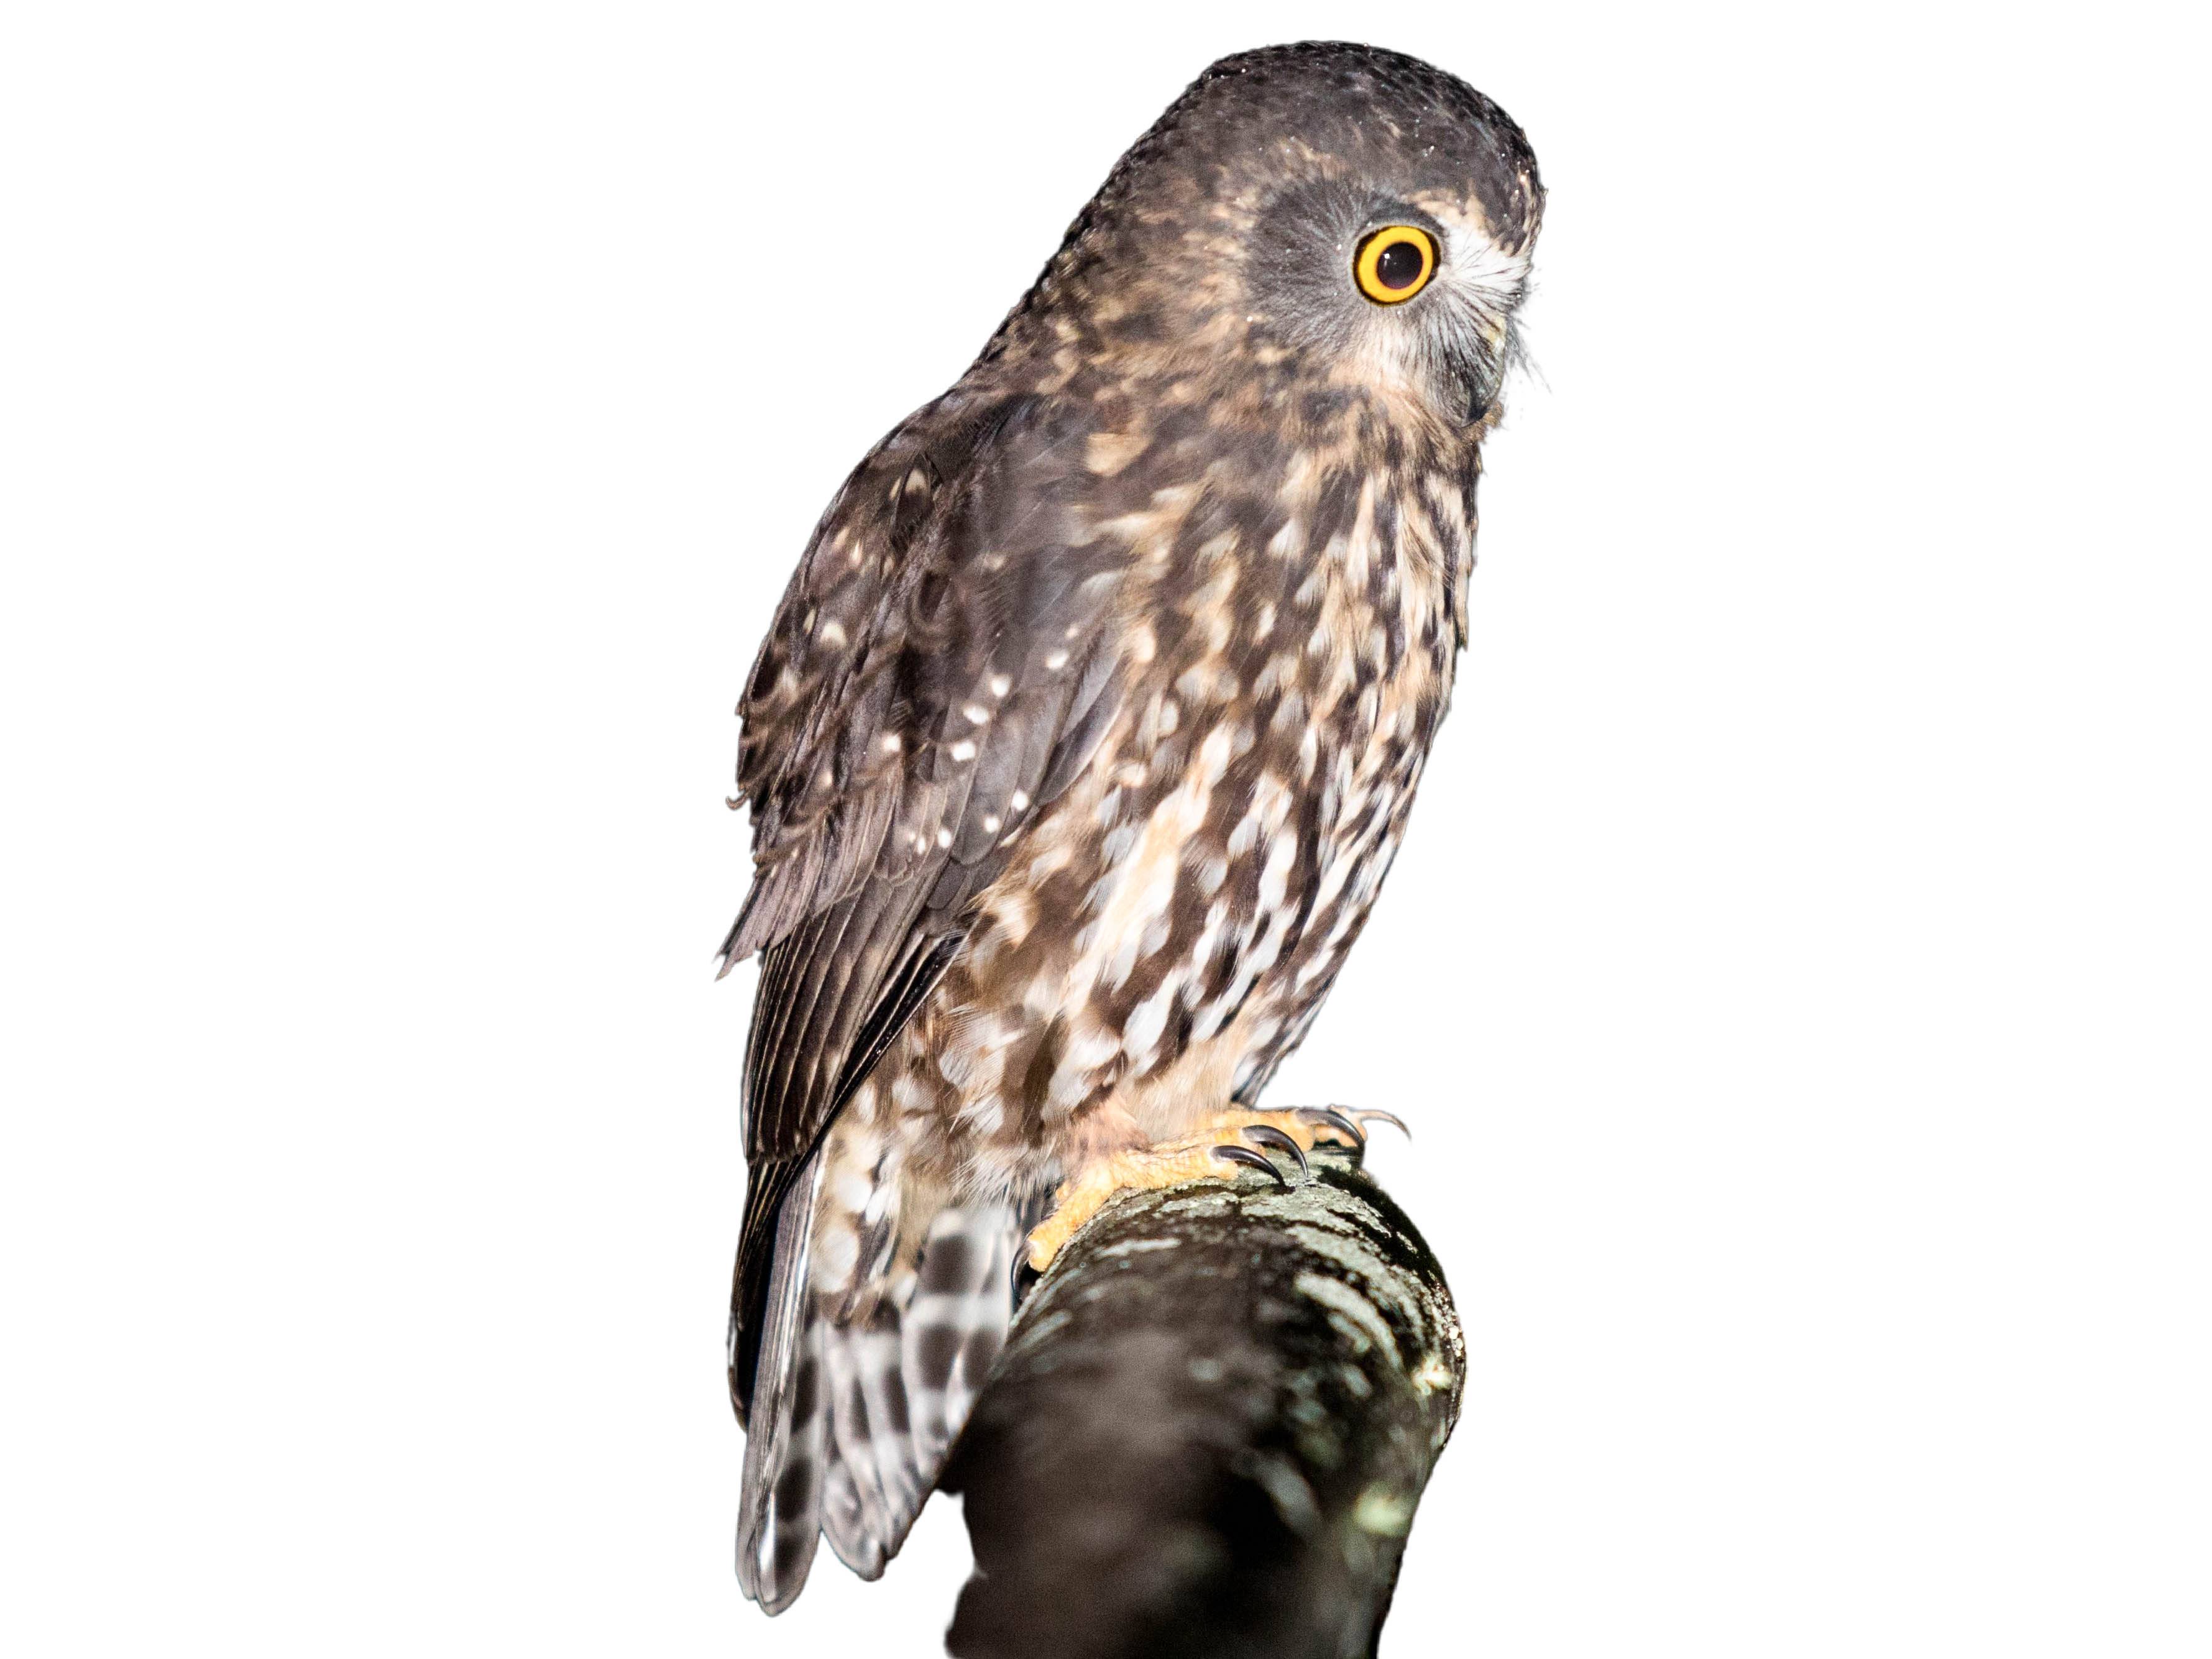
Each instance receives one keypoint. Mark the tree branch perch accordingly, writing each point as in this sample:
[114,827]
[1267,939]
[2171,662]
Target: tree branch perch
[1210,1428]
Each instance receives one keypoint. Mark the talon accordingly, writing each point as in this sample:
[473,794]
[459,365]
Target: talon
[1329,1118]
[1251,1159]
[1226,1137]
[1390,1118]
[1267,1134]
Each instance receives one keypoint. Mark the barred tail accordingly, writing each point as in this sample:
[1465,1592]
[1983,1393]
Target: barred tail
[852,1416]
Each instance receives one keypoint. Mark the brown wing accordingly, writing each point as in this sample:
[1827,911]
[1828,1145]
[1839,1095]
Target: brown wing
[940,668]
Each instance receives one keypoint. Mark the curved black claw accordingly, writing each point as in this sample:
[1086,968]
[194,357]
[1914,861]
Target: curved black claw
[1390,1118]
[1252,1160]
[1267,1134]
[1329,1118]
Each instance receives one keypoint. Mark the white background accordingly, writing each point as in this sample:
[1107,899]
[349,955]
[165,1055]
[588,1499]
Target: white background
[1796,977]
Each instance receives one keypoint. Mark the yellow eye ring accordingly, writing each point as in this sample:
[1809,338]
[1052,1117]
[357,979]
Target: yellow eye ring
[1395,264]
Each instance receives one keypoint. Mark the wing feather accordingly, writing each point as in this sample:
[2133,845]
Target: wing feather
[940,668]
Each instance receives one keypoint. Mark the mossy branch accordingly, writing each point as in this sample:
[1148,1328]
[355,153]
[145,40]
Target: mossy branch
[1210,1429]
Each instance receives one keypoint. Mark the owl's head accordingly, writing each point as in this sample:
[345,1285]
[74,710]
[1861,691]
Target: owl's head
[1334,215]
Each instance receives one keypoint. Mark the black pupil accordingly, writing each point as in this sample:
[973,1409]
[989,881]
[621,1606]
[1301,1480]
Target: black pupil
[1399,265]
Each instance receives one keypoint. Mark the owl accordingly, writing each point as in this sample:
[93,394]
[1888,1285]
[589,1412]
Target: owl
[1084,736]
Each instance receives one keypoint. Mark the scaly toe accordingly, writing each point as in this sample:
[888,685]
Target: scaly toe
[1230,1137]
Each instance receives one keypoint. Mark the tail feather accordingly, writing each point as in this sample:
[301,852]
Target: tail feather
[903,1486]
[778,1512]
[952,1330]
[842,1524]
[858,1522]
[850,1447]
[911,1373]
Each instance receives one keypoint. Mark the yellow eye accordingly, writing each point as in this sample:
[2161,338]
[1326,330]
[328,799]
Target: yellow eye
[1395,264]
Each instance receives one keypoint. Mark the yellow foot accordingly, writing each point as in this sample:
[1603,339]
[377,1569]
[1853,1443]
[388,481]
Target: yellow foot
[1233,1140]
